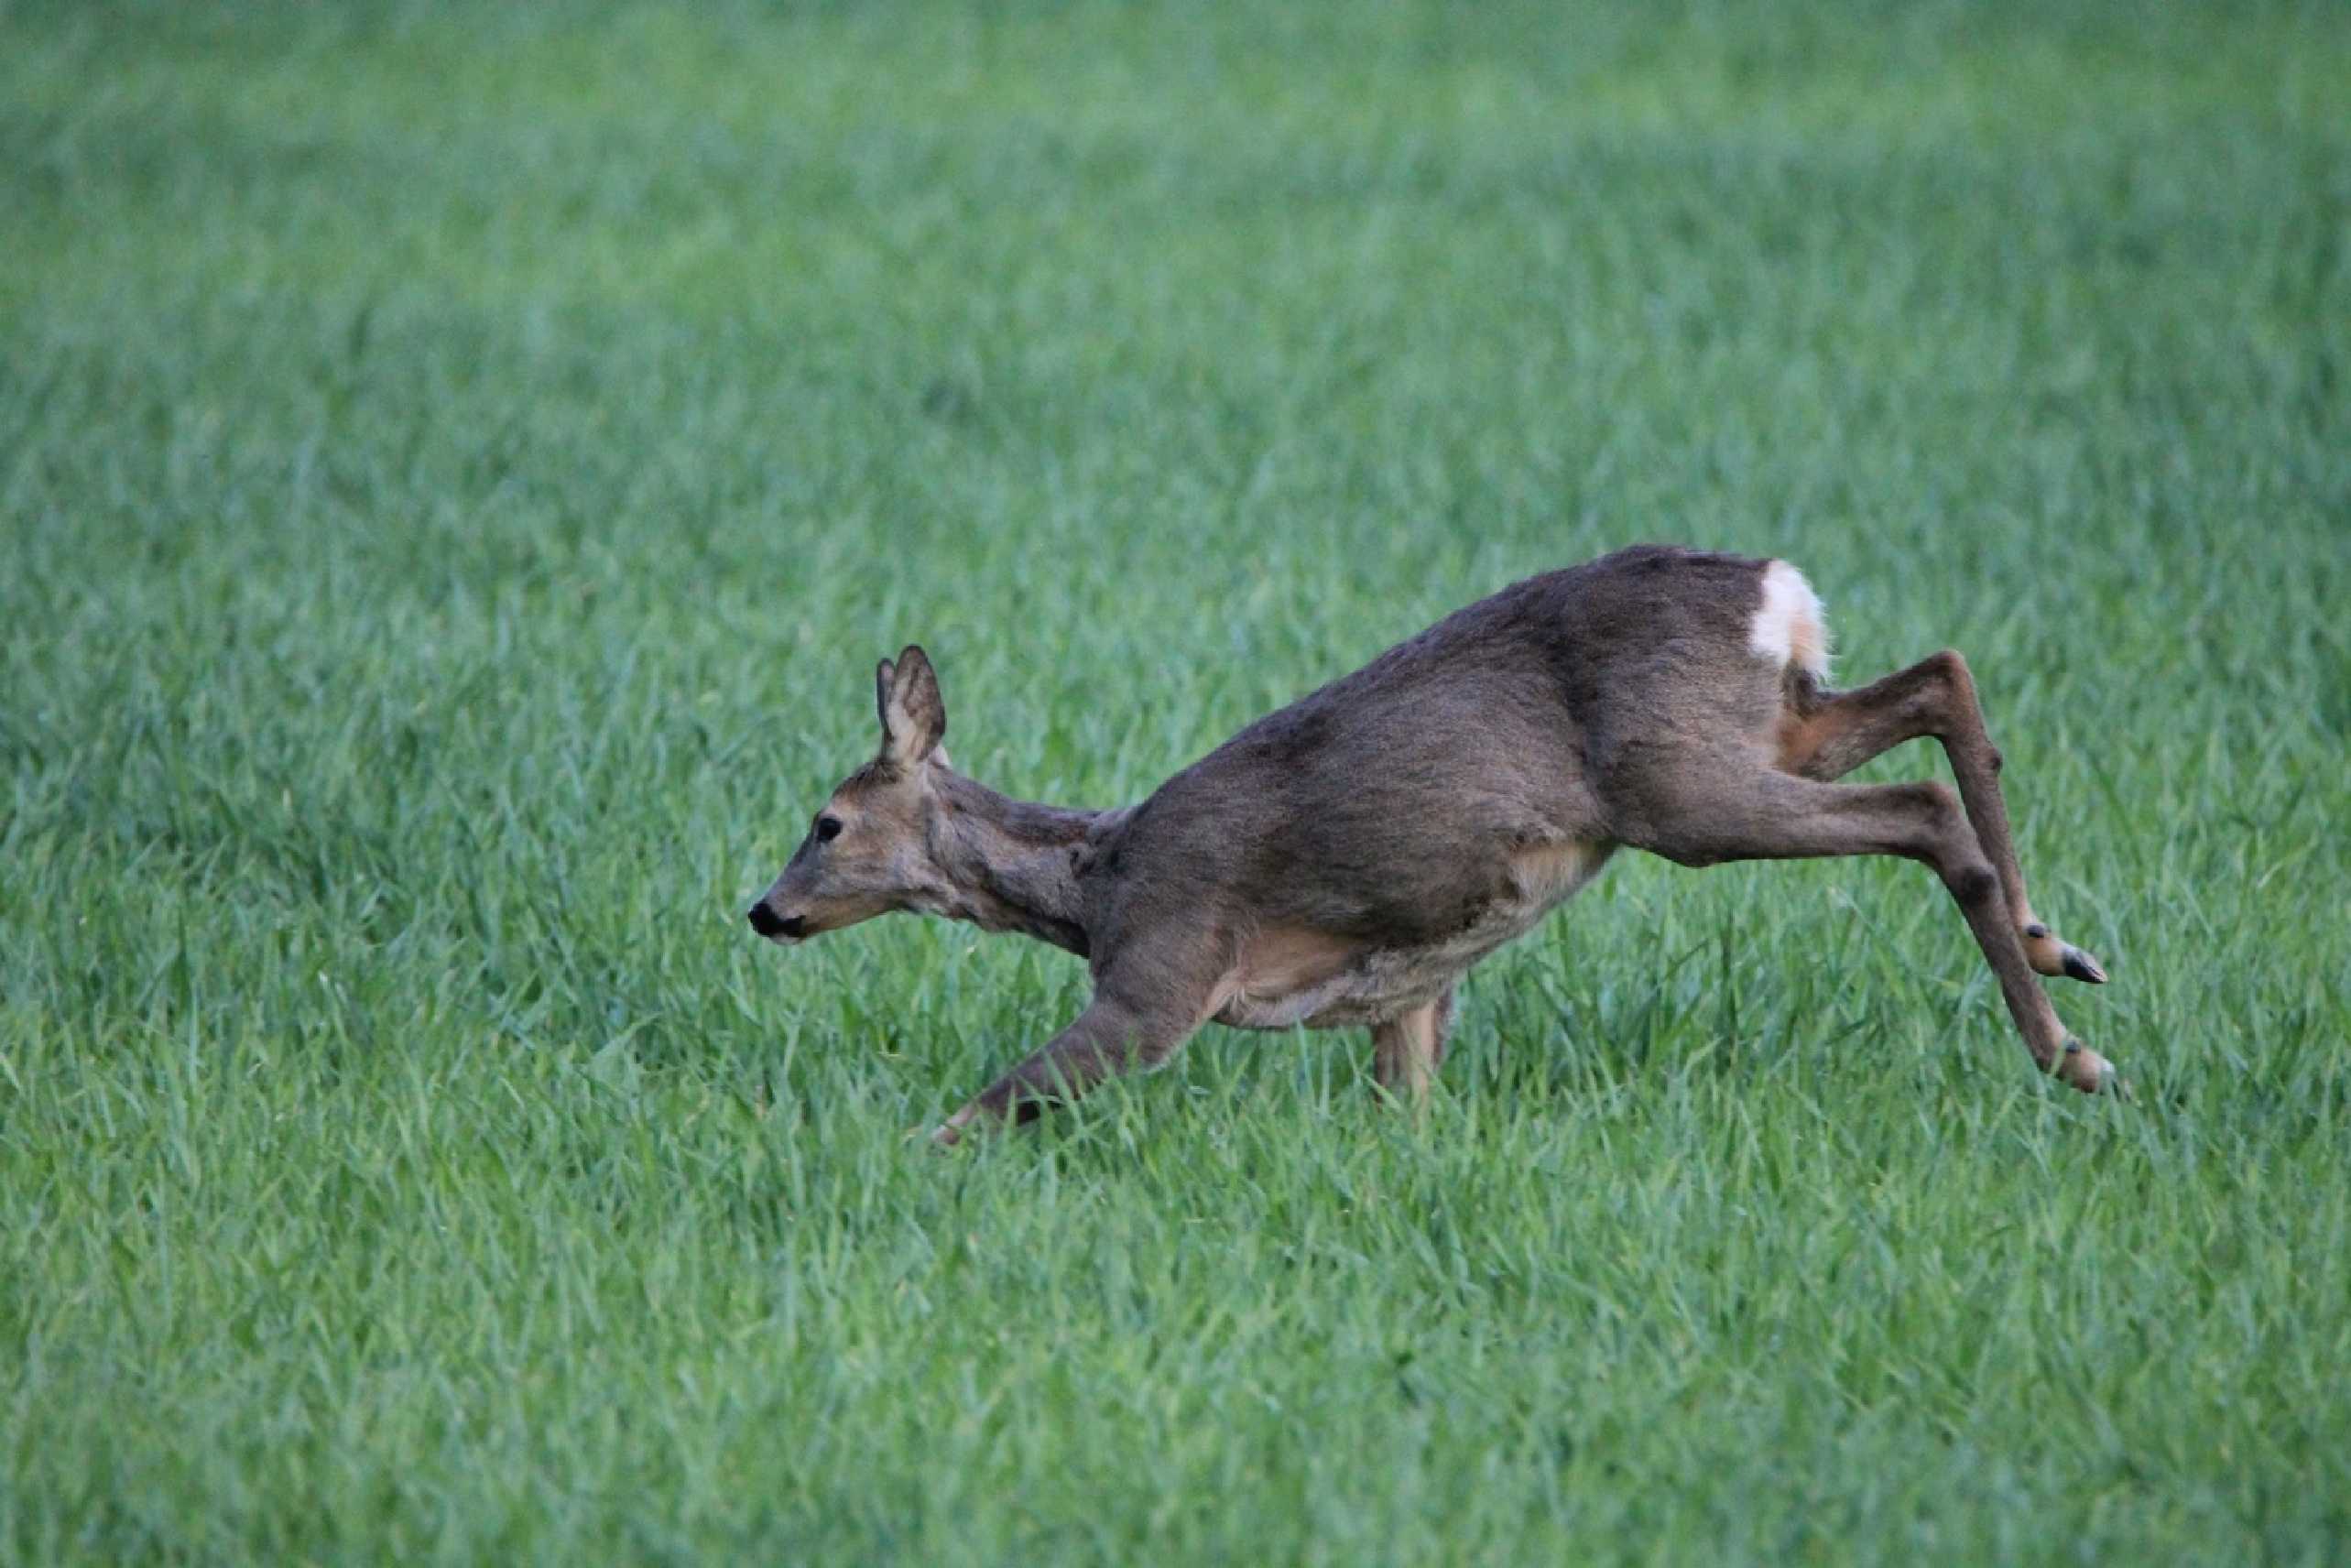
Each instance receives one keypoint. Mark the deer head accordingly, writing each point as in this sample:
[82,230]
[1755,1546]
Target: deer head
[868,850]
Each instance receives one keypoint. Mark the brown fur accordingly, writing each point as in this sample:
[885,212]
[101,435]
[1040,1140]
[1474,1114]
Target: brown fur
[1346,859]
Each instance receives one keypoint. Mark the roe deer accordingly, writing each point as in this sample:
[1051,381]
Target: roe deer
[1346,860]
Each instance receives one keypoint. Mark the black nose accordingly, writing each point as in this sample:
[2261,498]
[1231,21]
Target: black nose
[767,922]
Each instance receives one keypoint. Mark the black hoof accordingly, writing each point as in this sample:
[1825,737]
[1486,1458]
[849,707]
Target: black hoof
[2080,966]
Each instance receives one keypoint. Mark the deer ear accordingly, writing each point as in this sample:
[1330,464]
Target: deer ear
[914,716]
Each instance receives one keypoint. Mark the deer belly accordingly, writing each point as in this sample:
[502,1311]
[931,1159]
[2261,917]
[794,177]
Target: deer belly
[1290,978]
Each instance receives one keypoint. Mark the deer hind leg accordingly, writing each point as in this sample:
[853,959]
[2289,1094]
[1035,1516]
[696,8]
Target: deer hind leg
[1750,811]
[1827,736]
[1409,1049]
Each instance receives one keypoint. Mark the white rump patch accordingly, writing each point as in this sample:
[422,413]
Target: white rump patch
[1791,628]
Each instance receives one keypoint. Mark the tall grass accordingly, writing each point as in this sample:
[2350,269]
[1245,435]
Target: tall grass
[457,467]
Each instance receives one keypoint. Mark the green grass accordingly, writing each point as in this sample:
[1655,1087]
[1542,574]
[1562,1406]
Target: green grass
[458,469]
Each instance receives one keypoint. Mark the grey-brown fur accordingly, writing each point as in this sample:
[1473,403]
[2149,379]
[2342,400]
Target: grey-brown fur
[1345,860]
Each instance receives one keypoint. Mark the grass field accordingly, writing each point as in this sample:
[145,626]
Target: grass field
[458,469]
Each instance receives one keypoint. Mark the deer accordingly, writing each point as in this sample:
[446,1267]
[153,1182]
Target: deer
[1345,861]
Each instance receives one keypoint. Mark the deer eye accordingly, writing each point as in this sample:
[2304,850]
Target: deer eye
[828,828]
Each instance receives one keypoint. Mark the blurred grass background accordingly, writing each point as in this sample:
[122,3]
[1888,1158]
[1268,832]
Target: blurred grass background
[459,465]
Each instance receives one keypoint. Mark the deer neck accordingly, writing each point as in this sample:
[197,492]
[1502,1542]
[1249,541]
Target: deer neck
[1011,864]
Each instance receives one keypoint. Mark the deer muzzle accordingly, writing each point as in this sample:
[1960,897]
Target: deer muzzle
[776,927]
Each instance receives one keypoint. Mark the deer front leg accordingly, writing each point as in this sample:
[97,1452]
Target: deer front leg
[1110,1037]
[1407,1049]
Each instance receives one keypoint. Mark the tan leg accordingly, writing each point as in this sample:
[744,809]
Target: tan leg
[1408,1050]
[1830,736]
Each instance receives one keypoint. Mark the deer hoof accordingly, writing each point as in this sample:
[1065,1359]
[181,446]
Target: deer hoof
[2080,966]
[2049,954]
[2085,1069]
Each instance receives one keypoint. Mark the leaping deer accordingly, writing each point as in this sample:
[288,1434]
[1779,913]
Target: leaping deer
[1347,860]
